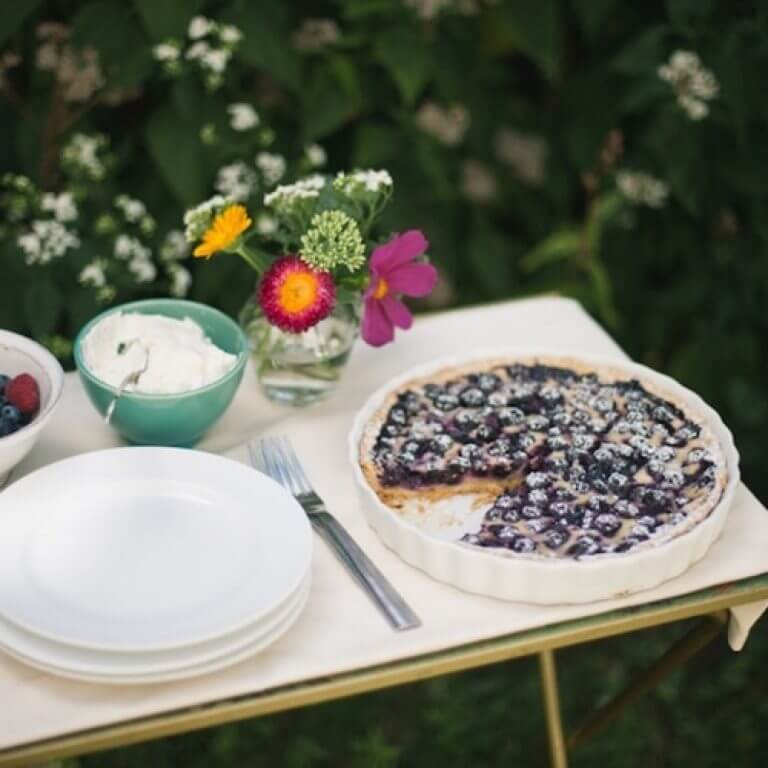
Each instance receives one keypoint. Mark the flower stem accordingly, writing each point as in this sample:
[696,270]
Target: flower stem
[257,260]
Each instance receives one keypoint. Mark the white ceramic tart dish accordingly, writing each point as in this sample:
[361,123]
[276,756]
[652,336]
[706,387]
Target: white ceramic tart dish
[543,476]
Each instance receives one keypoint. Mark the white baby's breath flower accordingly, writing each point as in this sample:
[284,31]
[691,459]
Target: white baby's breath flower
[236,181]
[48,240]
[174,247]
[525,154]
[478,184]
[215,60]
[198,50]
[447,125]
[642,189]
[93,274]
[197,219]
[316,155]
[230,34]
[272,167]
[693,84]
[199,26]
[242,116]
[428,9]
[127,247]
[143,269]
[131,208]
[266,224]
[303,189]
[368,180]
[315,34]
[83,154]
[169,51]
[62,206]
[181,280]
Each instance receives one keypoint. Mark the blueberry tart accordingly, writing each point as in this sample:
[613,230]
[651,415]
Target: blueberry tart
[553,459]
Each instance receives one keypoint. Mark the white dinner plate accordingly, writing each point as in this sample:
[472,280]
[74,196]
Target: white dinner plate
[261,643]
[147,549]
[131,668]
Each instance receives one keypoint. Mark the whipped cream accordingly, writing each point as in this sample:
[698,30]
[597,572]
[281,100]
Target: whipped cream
[178,355]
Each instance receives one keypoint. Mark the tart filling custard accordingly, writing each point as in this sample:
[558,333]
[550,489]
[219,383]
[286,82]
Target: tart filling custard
[567,462]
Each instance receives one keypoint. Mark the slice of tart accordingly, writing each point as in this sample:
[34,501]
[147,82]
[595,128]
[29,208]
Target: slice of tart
[567,460]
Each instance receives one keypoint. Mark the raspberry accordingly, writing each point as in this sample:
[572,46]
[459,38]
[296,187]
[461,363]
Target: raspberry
[23,392]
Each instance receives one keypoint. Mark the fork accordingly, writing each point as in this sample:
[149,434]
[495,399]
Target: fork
[278,459]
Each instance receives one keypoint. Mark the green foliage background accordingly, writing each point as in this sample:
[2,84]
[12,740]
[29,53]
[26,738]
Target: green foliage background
[683,287]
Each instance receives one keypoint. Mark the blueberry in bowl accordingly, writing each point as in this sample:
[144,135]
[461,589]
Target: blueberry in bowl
[31,382]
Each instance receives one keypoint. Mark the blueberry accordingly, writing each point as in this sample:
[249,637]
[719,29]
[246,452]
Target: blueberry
[508,533]
[3,381]
[539,524]
[617,481]
[497,399]
[556,443]
[640,531]
[509,416]
[12,415]
[648,522]
[555,537]
[626,508]
[538,497]
[524,545]
[487,432]
[446,401]
[538,422]
[529,512]
[603,404]
[673,478]
[607,523]
[472,397]
[536,479]
[663,414]
[550,394]
[584,545]
[488,382]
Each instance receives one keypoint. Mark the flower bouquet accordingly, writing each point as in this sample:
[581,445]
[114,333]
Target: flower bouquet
[322,276]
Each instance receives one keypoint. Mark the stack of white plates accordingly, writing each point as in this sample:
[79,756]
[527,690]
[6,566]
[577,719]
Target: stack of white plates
[139,565]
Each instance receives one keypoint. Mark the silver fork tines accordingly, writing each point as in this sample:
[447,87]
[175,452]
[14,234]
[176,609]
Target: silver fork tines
[275,455]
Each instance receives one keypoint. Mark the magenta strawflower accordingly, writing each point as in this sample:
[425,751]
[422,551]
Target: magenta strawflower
[294,296]
[395,272]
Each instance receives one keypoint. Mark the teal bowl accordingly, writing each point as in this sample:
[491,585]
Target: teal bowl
[178,419]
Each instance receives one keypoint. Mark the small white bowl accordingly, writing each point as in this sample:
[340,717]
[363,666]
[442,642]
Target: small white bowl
[19,354]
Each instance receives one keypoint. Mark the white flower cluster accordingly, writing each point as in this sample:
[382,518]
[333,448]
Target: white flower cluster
[447,125]
[478,183]
[315,34]
[266,224]
[642,188]
[287,194]
[693,84]
[62,206]
[135,212]
[94,274]
[236,181]
[137,256]
[211,48]
[173,249]
[525,154]
[370,181]
[198,219]
[242,116]
[84,155]
[47,240]
[272,167]
[315,155]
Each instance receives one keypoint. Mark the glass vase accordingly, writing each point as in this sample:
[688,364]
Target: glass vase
[300,369]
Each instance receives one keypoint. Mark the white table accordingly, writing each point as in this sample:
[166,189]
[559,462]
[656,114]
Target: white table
[341,645]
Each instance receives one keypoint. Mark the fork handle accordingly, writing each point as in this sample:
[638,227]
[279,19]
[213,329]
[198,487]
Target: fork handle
[387,599]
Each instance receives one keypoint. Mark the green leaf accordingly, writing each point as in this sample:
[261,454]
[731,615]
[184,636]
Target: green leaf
[559,246]
[403,51]
[114,31]
[644,54]
[526,26]
[14,15]
[685,13]
[594,15]
[492,258]
[331,97]
[168,18]
[176,150]
[603,290]
[42,306]
[266,43]
[375,144]
[606,207]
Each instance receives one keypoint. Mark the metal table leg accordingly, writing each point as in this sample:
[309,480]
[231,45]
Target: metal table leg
[557,752]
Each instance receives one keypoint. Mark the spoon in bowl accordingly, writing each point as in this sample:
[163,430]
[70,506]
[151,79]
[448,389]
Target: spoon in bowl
[131,378]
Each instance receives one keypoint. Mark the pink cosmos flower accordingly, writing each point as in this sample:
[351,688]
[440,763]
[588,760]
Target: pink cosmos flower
[395,272]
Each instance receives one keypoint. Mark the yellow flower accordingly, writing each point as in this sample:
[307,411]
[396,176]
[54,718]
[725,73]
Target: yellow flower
[224,230]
